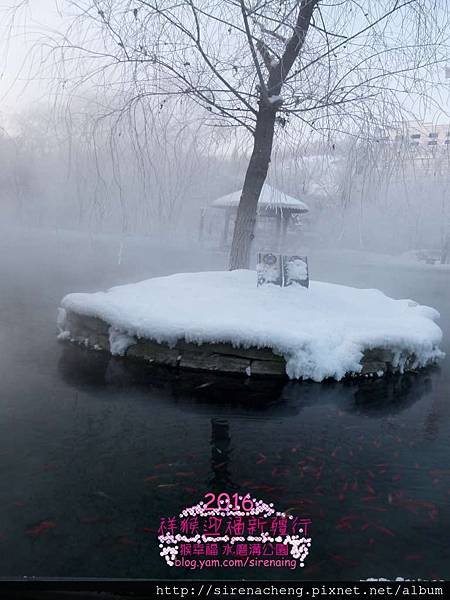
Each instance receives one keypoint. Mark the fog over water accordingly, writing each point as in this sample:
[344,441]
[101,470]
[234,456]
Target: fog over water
[97,447]
[81,432]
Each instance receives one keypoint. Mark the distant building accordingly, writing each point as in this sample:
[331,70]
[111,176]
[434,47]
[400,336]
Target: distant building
[413,135]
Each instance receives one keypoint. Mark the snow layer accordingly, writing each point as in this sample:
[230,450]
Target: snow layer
[296,269]
[270,197]
[321,331]
[119,342]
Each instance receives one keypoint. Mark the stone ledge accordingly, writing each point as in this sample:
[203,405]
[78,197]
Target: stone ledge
[221,357]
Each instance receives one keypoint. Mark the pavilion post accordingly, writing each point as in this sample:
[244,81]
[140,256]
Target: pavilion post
[279,222]
[226,227]
[202,224]
[286,217]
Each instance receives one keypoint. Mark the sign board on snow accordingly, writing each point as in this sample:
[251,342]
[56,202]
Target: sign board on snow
[282,270]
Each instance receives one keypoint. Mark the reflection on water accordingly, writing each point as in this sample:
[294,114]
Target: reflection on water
[354,456]
[220,456]
[197,391]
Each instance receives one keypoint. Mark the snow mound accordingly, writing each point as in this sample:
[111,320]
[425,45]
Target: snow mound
[321,331]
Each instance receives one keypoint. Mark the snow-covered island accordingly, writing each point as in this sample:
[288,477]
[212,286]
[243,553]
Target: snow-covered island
[221,321]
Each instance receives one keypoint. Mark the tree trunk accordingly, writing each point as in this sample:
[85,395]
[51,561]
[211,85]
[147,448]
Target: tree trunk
[263,140]
[254,179]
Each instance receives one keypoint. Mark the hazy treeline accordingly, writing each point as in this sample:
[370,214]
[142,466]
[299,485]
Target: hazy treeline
[73,170]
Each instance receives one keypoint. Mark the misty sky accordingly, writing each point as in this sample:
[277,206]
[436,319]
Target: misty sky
[23,83]
[20,86]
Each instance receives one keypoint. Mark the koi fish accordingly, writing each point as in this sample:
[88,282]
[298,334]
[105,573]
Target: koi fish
[90,520]
[342,560]
[344,525]
[219,465]
[38,529]
[384,530]
[311,570]
[125,541]
[275,472]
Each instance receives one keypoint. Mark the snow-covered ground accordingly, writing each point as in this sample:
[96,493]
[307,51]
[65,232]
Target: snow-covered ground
[411,259]
[321,331]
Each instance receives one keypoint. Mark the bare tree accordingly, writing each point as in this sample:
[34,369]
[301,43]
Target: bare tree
[260,65]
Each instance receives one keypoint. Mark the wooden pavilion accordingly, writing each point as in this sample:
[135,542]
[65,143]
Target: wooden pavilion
[273,206]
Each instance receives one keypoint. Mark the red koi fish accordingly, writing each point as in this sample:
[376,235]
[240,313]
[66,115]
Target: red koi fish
[40,528]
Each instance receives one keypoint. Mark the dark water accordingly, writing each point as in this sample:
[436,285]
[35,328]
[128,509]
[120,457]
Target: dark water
[93,450]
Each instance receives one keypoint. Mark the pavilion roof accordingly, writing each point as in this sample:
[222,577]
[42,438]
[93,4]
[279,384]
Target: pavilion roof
[270,198]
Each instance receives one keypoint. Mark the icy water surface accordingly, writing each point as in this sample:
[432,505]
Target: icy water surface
[93,450]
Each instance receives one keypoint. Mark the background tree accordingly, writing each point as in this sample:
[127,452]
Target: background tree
[259,65]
